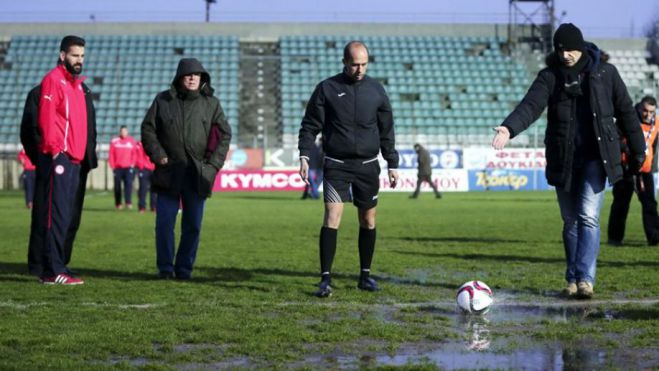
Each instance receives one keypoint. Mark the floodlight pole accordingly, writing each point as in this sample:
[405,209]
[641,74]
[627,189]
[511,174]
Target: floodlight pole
[208,9]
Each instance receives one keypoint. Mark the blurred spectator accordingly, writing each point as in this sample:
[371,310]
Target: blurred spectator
[424,171]
[144,172]
[122,158]
[643,181]
[315,172]
[28,177]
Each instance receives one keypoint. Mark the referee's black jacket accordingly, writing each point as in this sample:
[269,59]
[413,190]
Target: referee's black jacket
[355,118]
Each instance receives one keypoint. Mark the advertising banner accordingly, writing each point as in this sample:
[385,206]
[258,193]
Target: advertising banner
[244,159]
[289,180]
[439,159]
[445,181]
[514,158]
[507,180]
[258,180]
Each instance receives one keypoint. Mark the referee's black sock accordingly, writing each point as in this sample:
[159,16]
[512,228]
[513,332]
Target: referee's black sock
[366,249]
[327,250]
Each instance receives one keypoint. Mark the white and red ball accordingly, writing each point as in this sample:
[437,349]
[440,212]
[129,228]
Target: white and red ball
[474,297]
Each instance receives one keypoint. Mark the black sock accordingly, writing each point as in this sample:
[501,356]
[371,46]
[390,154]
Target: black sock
[327,249]
[366,249]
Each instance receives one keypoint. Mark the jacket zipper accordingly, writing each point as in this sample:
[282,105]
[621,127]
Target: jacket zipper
[66,127]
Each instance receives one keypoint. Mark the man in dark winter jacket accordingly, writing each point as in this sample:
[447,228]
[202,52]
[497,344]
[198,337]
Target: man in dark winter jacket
[587,102]
[353,112]
[643,182]
[175,136]
[424,171]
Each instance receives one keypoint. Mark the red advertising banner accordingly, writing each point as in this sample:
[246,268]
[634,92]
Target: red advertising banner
[258,180]
[289,180]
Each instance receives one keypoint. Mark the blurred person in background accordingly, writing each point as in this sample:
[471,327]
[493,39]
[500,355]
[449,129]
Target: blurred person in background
[315,172]
[122,158]
[424,171]
[643,182]
[144,172]
[28,177]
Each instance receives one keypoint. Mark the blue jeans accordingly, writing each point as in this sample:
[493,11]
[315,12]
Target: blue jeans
[580,210]
[166,211]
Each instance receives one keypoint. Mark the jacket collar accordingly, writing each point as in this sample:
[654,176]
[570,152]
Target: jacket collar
[75,80]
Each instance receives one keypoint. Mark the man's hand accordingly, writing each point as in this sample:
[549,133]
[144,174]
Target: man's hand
[636,163]
[393,178]
[304,170]
[501,138]
[164,161]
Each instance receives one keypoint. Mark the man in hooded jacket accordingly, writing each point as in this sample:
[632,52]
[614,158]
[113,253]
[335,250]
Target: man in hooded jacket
[175,136]
[587,102]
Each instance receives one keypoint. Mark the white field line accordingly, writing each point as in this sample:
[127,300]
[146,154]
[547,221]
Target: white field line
[15,305]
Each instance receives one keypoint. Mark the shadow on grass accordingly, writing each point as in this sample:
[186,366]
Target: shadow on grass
[8,272]
[460,239]
[240,274]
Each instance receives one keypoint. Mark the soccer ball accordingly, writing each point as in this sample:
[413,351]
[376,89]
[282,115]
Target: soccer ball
[474,297]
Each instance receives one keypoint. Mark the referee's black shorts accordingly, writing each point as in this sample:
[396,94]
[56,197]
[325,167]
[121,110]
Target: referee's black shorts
[352,180]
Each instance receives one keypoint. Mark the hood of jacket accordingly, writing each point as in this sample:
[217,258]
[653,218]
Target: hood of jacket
[187,66]
[552,60]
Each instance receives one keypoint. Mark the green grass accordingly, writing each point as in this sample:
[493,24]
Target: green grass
[250,300]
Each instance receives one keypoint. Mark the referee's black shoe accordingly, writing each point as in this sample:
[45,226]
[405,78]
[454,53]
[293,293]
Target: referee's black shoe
[324,289]
[367,284]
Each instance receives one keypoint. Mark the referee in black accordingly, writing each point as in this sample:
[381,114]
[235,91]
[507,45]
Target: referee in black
[354,114]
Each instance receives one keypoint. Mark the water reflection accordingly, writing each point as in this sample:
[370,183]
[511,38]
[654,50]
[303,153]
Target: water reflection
[476,332]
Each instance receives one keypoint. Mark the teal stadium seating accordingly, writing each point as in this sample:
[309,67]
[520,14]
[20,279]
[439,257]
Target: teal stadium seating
[446,86]
[124,71]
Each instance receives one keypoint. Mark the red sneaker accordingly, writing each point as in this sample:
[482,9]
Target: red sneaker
[142,210]
[61,279]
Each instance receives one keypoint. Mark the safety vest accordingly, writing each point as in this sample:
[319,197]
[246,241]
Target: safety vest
[650,134]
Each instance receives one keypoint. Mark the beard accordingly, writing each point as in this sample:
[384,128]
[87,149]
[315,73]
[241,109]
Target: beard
[74,69]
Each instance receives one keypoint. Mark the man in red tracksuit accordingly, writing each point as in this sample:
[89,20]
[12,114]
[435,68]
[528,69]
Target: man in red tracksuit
[28,177]
[144,172]
[63,127]
[122,158]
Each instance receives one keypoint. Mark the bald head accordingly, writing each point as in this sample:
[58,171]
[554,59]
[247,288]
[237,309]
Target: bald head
[355,59]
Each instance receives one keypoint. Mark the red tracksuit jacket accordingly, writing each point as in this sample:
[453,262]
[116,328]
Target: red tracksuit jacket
[25,161]
[63,114]
[123,152]
[143,161]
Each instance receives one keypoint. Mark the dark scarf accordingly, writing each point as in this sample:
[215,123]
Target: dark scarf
[572,76]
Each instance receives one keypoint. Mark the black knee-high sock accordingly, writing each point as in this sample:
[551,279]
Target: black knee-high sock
[366,249]
[327,250]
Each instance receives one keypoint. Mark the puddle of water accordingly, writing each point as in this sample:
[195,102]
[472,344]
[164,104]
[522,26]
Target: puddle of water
[454,356]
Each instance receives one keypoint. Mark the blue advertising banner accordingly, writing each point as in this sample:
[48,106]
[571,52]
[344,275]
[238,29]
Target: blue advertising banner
[507,180]
[439,159]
